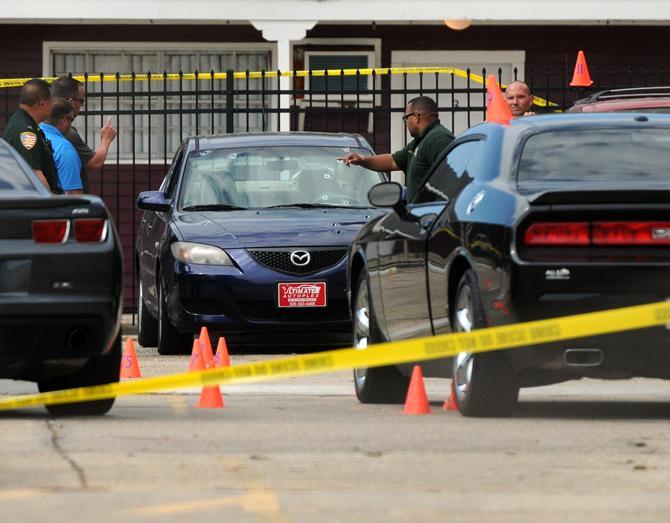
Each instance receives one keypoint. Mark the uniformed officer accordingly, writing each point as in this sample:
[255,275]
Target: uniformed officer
[23,133]
[430,139]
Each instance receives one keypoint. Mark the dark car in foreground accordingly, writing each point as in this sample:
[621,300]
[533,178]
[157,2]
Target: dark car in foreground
[248,235]
[60,287]
[549,216]
[633,99]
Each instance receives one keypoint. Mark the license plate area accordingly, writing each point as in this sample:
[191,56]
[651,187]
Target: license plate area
[301,294]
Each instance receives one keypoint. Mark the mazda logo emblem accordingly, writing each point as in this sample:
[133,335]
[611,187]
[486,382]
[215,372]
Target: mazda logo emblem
[300,258]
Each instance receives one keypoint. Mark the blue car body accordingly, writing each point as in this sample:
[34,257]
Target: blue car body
[241,299]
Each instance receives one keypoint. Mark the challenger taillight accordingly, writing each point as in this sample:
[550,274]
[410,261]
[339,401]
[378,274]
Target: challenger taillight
[631,233]
[90,229]
[557,233]
[610,233]
[51,231]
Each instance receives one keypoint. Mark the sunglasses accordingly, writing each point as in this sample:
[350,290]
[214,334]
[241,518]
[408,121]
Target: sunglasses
[406,117]
[82,101]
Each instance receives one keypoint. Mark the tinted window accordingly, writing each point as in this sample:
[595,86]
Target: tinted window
[626,154]
[12,176]
[449,177]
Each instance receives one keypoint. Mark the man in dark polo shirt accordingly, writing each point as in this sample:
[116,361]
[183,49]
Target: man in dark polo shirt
[430,139]
[24,135]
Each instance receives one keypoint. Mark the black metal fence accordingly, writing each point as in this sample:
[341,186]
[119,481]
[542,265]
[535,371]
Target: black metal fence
[154,112]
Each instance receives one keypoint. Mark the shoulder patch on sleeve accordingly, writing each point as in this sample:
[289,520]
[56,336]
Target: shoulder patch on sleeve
[28,139]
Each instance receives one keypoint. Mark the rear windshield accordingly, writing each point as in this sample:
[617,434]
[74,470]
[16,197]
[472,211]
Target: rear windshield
[660,110]
[12,177]
[595,155]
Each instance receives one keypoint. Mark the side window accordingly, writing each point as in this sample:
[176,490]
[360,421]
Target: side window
[170,181]
[449,177]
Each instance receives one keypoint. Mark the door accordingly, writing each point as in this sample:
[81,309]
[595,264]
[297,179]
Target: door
[153,228]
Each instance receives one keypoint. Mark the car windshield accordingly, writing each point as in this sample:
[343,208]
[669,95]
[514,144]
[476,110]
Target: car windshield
[275,176]
[12,177]
[596,155]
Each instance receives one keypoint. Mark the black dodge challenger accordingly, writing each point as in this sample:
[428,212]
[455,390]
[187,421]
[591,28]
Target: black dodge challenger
[549,216]
[60,287]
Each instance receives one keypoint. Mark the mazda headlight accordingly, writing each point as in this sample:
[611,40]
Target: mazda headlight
[188,252]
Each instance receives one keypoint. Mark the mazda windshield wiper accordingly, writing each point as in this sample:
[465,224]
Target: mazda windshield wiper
[298,205]
[213,207]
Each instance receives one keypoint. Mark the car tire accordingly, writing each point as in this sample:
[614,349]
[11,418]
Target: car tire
[378,384]
[170,341]
[484,383]
[98,371]
[147,325]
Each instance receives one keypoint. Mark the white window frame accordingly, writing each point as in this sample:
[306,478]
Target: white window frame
[49,47]
[334,99]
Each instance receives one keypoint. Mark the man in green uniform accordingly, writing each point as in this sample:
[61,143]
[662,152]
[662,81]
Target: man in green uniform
[24,135]
[430,139]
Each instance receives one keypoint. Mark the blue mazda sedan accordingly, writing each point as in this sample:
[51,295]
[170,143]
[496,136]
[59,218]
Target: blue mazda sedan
[248,235]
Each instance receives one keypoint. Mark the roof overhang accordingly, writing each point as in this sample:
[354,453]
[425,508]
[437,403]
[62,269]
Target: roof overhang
[380,11]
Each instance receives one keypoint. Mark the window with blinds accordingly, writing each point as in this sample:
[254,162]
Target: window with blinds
[152,117]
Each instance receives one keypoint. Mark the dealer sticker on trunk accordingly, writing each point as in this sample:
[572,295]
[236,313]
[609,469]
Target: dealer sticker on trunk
[311,294]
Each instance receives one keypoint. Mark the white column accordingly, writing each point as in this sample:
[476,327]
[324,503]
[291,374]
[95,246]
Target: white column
[283,32]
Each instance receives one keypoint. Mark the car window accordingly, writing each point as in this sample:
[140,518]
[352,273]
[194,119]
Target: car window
[450,176]
[259,177]
[12,176]
[597,154]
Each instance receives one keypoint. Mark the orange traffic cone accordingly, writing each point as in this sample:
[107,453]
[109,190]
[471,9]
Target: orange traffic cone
[417,401]
[497,110]
[221,358]
[206,346]
[581,76]
[450,403]
[197,362]
[210,397]
[130,368]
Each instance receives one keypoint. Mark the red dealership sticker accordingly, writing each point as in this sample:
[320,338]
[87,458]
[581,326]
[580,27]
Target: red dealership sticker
[312,294]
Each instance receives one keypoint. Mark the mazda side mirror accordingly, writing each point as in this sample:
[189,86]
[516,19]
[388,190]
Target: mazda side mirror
[153,201]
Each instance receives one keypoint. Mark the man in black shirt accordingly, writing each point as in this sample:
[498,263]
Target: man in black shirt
[24,135]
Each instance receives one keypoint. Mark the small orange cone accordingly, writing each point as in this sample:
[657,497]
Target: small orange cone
[450,403]
[197,362]
[581,76]
[130,368]
[222,358]
[497,110]
[210,397]
[206,346]
[417,401]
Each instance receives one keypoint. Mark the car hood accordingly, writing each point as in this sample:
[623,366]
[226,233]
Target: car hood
[273,227]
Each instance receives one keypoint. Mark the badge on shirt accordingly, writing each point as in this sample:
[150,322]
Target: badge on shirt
[28,140]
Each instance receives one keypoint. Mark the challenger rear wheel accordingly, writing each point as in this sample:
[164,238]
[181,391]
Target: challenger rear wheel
[378,384]
[98,371]
[170,340]
[485,384]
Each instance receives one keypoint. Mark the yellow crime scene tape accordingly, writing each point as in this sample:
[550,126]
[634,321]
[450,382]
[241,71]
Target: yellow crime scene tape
[415,350]
[378,71]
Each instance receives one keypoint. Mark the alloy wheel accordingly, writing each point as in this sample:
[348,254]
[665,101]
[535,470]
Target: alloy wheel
[463,361]
[361,330]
